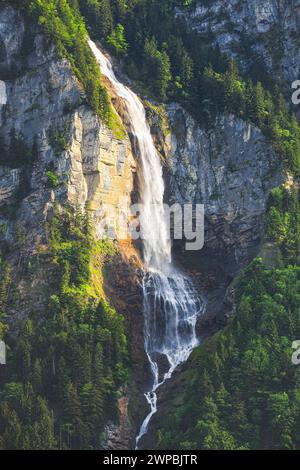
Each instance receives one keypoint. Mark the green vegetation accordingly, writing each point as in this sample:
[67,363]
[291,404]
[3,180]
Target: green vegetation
[251,102]
[16,154]
[283,222]
[171,62]
[241,390]
[158,113]
[176,64]
[68,361]
[57,139]
[52,179]
[117,41]
[157,69]
[144,30]
[64,27]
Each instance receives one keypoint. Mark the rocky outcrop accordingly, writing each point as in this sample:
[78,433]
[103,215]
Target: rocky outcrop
[267,29]
[9,182]
[119,436]
[11,41]
[230,169]
[123,287]
[45,104]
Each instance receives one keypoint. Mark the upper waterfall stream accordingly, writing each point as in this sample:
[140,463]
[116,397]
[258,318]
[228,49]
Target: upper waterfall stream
[171,303]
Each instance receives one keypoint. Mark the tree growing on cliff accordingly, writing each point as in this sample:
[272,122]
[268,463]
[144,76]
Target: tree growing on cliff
[157,68]
[117,40]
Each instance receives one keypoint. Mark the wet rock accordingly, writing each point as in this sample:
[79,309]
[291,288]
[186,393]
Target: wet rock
[119,436]
[163,364]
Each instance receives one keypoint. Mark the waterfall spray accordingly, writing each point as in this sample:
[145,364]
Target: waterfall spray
[171,303]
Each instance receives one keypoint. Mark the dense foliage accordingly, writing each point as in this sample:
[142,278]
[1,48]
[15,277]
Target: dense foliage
[242,390]
[171,62]
[64,27]
[283,222]
[181,65]
[16,154]
[68,361]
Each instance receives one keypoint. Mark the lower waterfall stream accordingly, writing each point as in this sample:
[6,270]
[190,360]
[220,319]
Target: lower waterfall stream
[171,303]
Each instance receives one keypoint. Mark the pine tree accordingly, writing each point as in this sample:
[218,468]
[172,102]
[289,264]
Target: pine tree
[42,428]
[234,89]
[250,103]
[10,427]
[117,40]
[206,387]
[36,375]
[282,419]
[261,113]
[157,67]
[99,16]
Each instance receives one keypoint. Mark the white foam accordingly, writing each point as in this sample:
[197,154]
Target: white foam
[171,303]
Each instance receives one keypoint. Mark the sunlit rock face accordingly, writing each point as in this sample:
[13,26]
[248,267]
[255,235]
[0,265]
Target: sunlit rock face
[40,96]
[38,92]
[267,29]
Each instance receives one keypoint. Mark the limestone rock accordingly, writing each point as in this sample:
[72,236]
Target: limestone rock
[230,169]
[264,28]
[93,168]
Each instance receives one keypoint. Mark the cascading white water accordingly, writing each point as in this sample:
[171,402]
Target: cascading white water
[171,304]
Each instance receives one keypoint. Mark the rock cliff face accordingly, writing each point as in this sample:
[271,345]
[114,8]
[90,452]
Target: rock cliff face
[230,169]
[44,103]
[267,29]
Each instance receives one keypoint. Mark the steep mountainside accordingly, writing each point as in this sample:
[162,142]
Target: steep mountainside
[71,305]
[44,107]
[57,158]
[258,31]
[230,170]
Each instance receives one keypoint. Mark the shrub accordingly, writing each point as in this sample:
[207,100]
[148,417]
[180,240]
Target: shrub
[52,179]
[117,40]
[57,139]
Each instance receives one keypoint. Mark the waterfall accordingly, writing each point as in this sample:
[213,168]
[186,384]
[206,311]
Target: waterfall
[171,303]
